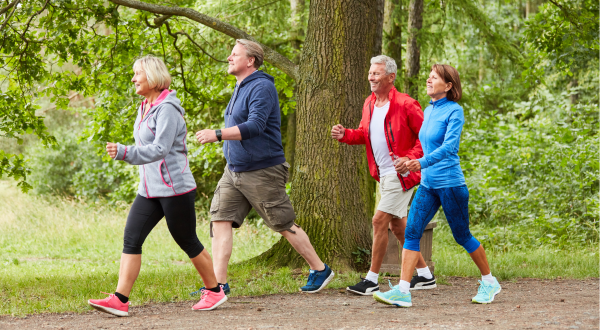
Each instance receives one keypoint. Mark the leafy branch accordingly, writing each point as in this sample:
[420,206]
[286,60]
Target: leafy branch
[162,19]
[279,61]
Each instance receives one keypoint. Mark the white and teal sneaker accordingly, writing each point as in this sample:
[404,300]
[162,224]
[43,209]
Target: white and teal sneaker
[486,292]
[394,297]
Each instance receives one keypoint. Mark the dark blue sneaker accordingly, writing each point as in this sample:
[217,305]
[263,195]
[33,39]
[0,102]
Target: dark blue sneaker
[318,280]
[225,287]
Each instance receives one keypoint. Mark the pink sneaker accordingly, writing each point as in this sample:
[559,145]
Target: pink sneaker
[111,305]
[210,300]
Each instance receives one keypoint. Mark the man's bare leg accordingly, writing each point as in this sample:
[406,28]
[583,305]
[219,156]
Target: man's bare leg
[398,226]
[301,243]
[222,245]
[381,222]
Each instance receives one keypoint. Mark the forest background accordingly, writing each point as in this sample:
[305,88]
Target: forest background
[529,70]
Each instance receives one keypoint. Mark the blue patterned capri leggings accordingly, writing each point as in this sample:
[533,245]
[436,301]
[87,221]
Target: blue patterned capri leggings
[455,201]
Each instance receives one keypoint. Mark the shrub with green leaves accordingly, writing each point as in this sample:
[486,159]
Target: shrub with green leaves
[533,173]
[73,168]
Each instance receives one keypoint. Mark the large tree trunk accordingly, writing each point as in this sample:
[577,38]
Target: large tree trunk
[296,34]
[332,191]
[379,16]
[413,50]
[392,32]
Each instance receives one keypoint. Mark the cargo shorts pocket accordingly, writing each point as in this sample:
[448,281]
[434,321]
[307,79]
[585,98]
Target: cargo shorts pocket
[280,214]
[214,205]
[286,165]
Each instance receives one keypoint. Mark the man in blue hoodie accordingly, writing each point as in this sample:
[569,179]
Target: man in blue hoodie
[256,170]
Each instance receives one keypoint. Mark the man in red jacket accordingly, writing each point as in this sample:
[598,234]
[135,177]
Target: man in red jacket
[389,127]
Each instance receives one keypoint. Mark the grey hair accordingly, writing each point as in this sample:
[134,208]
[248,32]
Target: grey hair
[390,64]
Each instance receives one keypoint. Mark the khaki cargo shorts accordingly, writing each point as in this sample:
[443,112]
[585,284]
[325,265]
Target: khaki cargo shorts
[394,200]
[264,190]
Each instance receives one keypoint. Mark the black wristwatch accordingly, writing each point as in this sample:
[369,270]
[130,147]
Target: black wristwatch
[218,132]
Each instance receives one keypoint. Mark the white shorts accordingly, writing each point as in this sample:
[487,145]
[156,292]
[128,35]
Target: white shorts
[394,200]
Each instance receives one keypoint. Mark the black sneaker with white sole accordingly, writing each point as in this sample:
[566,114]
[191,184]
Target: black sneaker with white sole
[422,283]
[364,288]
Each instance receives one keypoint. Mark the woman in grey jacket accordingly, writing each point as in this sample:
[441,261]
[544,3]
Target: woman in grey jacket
[167,187]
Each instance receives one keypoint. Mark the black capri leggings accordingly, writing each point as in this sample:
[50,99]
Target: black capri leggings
[145,213]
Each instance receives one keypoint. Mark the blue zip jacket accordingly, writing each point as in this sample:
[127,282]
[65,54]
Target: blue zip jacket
[440,139]
[254,109]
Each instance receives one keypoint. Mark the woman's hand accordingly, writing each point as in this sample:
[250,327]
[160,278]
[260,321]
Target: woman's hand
[338,131]
[111,148]
[206,136]
[413,165]
[400,165]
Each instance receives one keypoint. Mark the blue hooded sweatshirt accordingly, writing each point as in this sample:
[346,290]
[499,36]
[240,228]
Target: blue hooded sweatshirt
[254,109]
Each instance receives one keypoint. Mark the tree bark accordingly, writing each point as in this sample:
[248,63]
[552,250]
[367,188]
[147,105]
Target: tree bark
[379,16]
[297,34]
[574,97]
[530,8]
[392,34]
[333,192]
[413,50]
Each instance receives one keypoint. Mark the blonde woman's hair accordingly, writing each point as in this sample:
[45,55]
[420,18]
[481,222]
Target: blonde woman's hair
[253,49]
[156,71]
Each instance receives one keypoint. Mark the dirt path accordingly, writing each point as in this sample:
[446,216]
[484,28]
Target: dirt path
[523,304]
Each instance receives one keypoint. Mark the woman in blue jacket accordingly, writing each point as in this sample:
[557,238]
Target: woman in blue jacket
[442,183]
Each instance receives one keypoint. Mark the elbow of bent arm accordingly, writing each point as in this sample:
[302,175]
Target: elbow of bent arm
[158,152]
[256,128]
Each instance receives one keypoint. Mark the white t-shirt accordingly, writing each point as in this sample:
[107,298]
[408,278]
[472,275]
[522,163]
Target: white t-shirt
[379,143]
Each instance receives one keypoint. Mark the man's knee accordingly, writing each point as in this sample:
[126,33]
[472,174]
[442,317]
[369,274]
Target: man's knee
[380,223]
[221,229]
[398,227]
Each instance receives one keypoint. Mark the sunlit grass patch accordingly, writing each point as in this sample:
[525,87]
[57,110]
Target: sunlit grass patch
[543,261]
[57,253]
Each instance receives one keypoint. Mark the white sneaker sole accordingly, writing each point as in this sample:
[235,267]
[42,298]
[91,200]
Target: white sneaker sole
[424,286]
[486,302]
[108,310]
[370,293]
[327,280]
[390,302]
[219,303]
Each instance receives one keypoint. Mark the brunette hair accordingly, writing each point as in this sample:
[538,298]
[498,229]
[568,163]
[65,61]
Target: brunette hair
[450,75]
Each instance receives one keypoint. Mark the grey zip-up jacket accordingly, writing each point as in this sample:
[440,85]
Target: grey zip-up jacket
[160,149]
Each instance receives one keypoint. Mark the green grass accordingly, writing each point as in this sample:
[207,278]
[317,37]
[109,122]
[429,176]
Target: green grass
[57,253]
[544,261]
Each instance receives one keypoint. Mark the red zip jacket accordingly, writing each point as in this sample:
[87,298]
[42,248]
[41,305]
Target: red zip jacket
[402,124]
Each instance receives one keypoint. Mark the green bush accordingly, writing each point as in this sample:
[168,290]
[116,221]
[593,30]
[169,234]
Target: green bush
[533,173]
[75,169]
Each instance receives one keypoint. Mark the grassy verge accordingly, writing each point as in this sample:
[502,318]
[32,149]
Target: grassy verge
[55,254]
[540,262]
